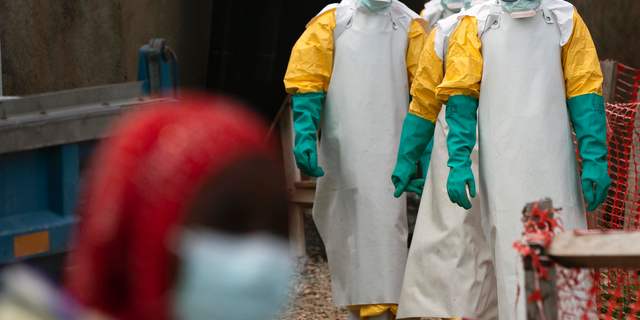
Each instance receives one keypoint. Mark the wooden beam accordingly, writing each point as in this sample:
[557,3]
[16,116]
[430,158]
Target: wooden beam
[303,196]
[292,174]
[547,287]
[297,243]
[610,74]
[548,290]
[306,184]
[597,250]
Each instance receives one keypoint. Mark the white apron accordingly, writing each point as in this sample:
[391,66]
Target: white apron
[449,270]
[364,228]
[526,149]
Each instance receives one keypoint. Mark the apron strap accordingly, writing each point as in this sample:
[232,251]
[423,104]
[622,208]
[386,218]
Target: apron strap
[548,17]
[393,22]
[343,23]
[493,21]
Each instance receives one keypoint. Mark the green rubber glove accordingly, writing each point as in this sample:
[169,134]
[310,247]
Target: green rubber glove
[416,134]
[462,117]
[307,109]
[590,124]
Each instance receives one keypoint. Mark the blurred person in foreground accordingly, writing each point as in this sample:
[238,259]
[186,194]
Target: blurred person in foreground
[184,217]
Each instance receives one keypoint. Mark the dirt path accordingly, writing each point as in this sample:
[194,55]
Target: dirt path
[310,289]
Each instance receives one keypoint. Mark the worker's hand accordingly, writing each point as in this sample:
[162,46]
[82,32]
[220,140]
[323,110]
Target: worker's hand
[415,185]
[459,179]
[307,159]
[595,184]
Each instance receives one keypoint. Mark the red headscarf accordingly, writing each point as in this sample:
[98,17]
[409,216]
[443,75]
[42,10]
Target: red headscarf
[141,181]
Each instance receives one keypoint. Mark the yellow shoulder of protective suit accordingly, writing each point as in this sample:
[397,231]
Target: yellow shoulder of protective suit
[582,71]
[418,33]
[464,62]
[429,75]
[311,61]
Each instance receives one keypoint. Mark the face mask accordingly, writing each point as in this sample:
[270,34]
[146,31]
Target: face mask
[468,4]
[512,6]
[376,5]
[231,277]
[453,5]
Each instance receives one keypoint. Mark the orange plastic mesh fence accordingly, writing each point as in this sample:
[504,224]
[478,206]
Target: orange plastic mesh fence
[627,84]
[610,293]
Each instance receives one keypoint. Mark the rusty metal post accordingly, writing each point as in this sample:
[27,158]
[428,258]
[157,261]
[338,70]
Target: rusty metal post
[547,287]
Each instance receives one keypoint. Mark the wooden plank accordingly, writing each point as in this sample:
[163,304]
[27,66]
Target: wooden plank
[292,174]
[547,287]
[296,230]
[610,74]
[303,196]
[310,184]
[597,250]
[548,290]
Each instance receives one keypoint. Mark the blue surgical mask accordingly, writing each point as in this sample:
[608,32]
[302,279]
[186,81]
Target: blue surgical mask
[453,5]
[520,5]
[231,277]
[376,5]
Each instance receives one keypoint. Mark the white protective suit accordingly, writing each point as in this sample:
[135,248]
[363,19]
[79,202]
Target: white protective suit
[369,59]
[364,228]
[448,242]
[526,148]
[434,11]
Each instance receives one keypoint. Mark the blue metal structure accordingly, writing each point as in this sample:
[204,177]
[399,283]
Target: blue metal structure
[158,69]
[44,142]
[37,197]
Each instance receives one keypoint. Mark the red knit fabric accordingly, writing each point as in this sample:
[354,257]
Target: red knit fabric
[140,183]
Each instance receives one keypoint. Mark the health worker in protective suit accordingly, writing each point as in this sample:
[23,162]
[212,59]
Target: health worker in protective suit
[540,74]
[359,57]
[439,250]
[436,10]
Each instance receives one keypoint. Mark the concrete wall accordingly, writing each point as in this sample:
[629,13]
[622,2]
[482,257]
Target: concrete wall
[65,44]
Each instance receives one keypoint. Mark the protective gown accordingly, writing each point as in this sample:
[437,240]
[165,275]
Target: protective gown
[365,62]
[532,70]
[447,242]
[434,11]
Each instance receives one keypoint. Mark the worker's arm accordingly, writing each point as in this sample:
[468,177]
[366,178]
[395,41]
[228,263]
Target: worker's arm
[418,33]
[419,125]
[464,63]
[311,59]
[461,90]
[428,76]
[307,79]
[582,71]
[583,78]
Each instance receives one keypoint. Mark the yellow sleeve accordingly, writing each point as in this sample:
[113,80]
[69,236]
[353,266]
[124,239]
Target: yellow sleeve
[464,62]
[428,76]
[582,71]
[311,59]
[417,36]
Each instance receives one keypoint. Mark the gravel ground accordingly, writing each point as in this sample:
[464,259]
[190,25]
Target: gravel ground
[310,293]
[310,290]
